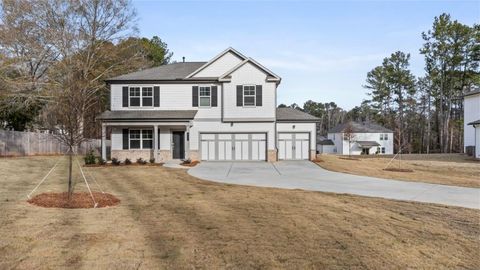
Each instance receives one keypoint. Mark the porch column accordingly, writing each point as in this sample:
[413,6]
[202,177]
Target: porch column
[104,142]
[155,143]
[187,140]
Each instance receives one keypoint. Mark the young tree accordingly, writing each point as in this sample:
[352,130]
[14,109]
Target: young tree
[349,135]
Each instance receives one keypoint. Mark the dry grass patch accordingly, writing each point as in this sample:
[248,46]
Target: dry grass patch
[168,219]
[446,169]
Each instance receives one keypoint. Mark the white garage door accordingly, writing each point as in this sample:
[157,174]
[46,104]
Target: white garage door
[293,146]
[233,146]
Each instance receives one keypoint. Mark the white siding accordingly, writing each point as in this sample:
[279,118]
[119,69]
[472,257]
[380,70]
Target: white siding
[310,128]
[249,74]
[477,139]
[214,126]
[337,140]
[223,64]
[117,139]
[172,97]
[471,113]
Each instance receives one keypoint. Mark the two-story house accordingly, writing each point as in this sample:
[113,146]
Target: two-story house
[223,109]
[354,138]
[471,120]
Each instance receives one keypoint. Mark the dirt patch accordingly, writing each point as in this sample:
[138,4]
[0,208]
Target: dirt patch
[397,170]
[349,158]
[78,200]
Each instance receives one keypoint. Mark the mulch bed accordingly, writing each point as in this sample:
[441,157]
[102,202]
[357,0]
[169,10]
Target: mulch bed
[191,164]
[123,164]
[78,200]
[397,170]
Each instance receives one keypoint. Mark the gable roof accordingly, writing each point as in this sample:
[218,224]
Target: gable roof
[270,75]
[229,49]
[293,115]
[167,72]
[364,127]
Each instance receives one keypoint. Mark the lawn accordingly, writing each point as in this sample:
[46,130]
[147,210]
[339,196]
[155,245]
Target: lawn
[168,219]
[446,169]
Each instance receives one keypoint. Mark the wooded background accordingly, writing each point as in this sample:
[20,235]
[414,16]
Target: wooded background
[55,56]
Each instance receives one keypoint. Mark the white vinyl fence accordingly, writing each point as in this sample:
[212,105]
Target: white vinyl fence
[18,143]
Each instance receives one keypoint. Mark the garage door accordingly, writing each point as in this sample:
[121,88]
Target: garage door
[293,146]
[233,146]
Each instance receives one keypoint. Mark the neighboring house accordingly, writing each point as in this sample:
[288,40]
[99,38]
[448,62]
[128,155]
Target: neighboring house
[471,129]
[325,146]
[366,139]
[223,109]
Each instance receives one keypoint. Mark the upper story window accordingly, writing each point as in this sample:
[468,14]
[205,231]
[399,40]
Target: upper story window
[204,96]
[141,96]
[383,136]
[249,95]
[147,96]
[134,96]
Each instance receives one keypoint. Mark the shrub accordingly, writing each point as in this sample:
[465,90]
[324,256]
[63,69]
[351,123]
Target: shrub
[90,157]
[186,161]
[115,162]
[101,161]
[152,160]
[141,161]
[128,161]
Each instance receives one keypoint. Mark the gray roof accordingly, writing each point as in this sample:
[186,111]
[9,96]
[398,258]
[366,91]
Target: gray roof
[326,142]
[364,127]
[368,143]
[473,92]
[152,115]
[176,71]
[474,122]
[294,115]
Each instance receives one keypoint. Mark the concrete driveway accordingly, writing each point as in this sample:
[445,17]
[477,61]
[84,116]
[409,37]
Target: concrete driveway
[308,176]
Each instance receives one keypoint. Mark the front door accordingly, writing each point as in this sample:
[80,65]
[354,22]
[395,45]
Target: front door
[178,144]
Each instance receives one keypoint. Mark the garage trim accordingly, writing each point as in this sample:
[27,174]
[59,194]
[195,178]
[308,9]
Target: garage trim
[250,144]
[293,141]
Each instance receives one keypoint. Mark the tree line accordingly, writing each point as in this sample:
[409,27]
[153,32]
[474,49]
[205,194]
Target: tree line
[425,113]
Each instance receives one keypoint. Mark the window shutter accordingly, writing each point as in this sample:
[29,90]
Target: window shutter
[125,96]
[258,93]
[125,138]
[214,96]
[239,95]
[156,96]
[194,96]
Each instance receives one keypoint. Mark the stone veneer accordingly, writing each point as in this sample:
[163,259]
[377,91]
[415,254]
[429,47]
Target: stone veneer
[194,155]
[313,155]
[164,155]
[133,155]
[272,155]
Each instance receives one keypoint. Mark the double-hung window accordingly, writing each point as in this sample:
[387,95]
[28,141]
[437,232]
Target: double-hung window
[204,96]
[383,150]
[141,138]
[147,96]
[385,137]
[249,95]
[135,96]
[141,96]
[381,136]
[135,138]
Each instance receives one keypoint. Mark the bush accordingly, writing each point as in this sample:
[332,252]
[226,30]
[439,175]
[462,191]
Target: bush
[141,161]
[90,157]
[101,161]
[128,161]
[115,162]
[152,160]
[186,161]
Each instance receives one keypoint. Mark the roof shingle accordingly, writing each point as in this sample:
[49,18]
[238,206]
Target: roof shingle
[364,127]
[150,115]
[161,73]
[293,115]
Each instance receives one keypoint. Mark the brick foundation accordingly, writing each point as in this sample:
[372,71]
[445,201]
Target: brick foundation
[194,155]
[133,155]
[272,155]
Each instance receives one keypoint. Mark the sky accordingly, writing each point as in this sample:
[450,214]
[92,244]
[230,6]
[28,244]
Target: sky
[323,50]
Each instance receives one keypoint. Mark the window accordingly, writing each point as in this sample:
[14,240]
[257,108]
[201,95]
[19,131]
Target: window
[204,96]
[135,96]
[135,139]
[141,138]
[141,96]
[385,136]
[147,139]
[147,96]
[381,136]
[383,150]
[249,95]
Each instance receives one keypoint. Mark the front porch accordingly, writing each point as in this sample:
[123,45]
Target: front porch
[148,137]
